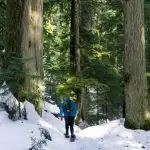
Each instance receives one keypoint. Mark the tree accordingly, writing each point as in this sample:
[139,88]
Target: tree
[135,68]
[100,35]
[2,33]
[75,69]
[85,30]
[24,50]
[12,63]
[32,49]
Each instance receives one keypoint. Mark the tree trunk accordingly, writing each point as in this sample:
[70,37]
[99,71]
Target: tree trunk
[75,51]
[85,27]
[24,50]
[97,103]
[32,50]
[135,68]
[12,63]
[74,39]
[73,46]
[85,103]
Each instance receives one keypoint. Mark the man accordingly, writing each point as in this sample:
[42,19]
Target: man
[69,110]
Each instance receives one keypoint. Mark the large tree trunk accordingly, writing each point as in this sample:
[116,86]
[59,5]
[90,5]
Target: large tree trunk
[85,26]
[32,50]
[12,63]
[74,38]
[78,63]
[2,36]
[75,51]
[135,68]
[24,50]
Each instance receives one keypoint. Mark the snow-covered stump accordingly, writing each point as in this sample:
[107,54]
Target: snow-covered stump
[83,125]
[9,103]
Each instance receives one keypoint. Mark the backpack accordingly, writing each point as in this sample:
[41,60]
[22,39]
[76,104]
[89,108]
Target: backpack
[67,106]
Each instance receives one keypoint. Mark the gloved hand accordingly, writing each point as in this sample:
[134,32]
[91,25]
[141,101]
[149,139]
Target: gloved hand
[60,116]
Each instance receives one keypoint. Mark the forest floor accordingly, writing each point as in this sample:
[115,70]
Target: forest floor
[111,136]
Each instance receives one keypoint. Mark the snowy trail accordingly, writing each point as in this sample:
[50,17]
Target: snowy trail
[63,143]
[112,136]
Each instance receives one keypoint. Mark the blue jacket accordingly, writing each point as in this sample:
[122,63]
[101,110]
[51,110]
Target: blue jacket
[73,106]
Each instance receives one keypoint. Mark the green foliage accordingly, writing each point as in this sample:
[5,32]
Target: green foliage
[26,95]
[56,45]
[69,85]
[101,45]
[13,74]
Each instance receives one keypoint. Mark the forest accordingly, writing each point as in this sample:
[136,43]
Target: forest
[99,49]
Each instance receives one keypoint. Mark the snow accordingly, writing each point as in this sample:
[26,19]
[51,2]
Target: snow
[3,51]
[16,135]
[8,98]
[32,115]
[50,108]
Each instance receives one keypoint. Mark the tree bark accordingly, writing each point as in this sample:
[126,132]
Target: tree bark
[85,27]
[32,50]
[73,46]
[135,68]
[74,39]
[75,52]
[24,50]
[12,63]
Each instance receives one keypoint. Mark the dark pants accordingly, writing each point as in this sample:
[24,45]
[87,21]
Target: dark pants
[69,122]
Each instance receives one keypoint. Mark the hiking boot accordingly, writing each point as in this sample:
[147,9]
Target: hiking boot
[66,135]
[73,136]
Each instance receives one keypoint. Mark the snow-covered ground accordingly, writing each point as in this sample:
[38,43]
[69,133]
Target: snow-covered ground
[111,136]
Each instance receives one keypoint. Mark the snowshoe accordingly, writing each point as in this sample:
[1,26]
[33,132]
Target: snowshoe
[66,135]
[72,138]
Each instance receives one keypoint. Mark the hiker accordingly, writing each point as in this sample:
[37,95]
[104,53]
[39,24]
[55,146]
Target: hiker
[69,110]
